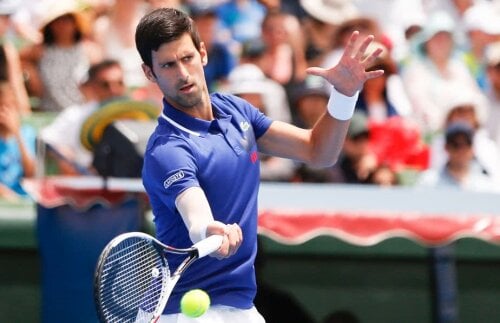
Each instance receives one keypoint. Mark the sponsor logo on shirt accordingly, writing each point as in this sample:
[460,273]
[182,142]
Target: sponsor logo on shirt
[174,178]
[244,125]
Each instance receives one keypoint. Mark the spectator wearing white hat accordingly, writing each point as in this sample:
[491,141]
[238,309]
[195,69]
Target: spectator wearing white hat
[58,64]
[482,26]
[435,71]
[319,24]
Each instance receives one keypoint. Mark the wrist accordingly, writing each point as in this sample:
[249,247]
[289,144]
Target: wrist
[340,106]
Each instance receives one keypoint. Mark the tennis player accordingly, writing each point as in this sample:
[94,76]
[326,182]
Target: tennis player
[201,167]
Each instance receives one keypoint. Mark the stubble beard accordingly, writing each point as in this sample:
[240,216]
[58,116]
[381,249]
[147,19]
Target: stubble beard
[188,101]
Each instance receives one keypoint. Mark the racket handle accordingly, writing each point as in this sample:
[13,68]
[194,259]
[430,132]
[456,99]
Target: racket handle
[208,245]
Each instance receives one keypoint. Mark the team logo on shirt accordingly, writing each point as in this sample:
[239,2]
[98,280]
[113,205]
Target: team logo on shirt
[244,125]
[172,179]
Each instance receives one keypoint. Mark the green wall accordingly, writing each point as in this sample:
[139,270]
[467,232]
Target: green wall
[389,282]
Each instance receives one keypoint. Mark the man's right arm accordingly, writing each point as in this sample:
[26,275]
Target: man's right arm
[195,211]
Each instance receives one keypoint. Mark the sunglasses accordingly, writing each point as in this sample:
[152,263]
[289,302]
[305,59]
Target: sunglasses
[106,84]
[457,145]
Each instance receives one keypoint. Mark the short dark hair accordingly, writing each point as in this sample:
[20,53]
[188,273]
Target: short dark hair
[161,26]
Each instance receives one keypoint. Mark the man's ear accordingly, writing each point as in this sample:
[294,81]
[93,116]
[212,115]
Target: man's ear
[148,72]
[203,54]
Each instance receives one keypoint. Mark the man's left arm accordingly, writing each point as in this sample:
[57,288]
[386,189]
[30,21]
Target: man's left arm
[321,145]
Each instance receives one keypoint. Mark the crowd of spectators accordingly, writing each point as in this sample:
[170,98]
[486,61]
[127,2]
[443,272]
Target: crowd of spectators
[441,60]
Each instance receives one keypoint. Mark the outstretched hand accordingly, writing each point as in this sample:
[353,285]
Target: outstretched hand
[349,75]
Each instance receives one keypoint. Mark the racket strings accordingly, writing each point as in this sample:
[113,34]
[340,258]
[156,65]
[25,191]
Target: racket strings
[126,280]
[132,281]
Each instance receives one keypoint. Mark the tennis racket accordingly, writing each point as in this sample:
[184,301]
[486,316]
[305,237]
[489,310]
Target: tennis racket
[133,281]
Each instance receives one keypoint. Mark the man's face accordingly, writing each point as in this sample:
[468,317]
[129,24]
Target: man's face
[177,68]
[109,83]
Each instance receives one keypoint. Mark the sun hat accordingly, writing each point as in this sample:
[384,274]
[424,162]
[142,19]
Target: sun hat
[462,96]
[439,21]
[121,109]
[54,9]
[330,11]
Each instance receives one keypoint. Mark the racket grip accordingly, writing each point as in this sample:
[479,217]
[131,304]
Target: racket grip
[208,245]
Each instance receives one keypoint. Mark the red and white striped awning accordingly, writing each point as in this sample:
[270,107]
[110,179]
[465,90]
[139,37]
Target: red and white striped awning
[296,213]
[369,228]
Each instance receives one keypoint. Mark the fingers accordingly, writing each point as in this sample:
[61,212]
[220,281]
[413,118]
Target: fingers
[362,49]
[317,71]
[350,73]
[370,59]
[374,74]
[351,44]
[233,237]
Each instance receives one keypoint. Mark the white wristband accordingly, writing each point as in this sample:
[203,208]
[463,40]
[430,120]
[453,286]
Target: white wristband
[341,106]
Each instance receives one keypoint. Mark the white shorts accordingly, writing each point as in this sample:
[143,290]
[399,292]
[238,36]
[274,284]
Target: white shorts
[217,314]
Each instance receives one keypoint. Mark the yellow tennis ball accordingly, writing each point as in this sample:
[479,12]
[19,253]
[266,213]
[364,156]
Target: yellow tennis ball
[195,303]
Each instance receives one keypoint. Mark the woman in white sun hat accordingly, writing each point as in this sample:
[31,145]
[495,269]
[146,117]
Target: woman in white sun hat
[57,65]
[434,71]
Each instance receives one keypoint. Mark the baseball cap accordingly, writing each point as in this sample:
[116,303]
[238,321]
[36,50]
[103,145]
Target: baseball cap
[459,129]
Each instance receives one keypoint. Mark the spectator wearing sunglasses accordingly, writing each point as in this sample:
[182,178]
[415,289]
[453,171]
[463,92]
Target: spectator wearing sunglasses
[465,106]
[104,83]
[461,170]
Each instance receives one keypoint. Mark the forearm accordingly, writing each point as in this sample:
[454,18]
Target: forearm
[195,211]
[327,139]
[328,134]
[319,146]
